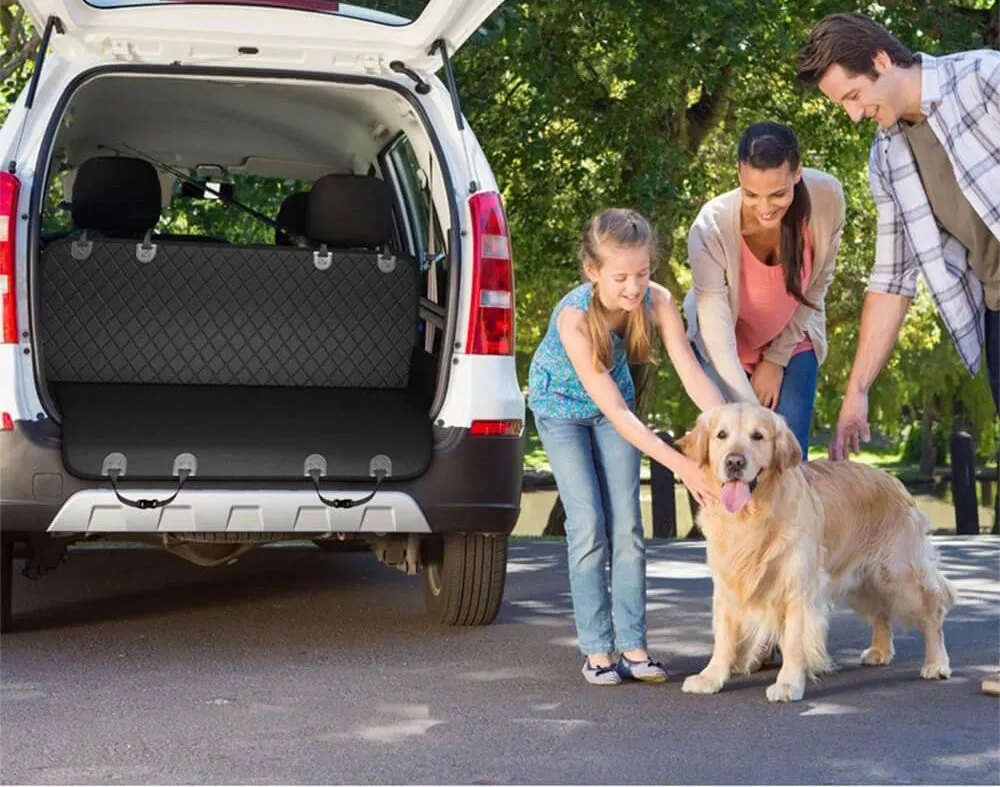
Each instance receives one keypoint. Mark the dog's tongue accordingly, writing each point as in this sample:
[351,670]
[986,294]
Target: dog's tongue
[735,495]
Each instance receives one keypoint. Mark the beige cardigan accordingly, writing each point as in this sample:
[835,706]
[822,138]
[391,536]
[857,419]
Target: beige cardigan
[711,306]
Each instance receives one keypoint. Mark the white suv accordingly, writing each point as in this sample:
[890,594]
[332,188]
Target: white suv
[256,285]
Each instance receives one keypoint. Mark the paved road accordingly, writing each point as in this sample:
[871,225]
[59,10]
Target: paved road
[297,666]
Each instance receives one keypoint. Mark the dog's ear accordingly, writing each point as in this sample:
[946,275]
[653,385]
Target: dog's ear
[694,444]
[787,452]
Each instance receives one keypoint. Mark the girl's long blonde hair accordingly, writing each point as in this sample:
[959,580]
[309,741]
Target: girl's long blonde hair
[623,228]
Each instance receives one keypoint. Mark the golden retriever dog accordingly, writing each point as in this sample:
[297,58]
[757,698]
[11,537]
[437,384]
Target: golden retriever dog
[787,539]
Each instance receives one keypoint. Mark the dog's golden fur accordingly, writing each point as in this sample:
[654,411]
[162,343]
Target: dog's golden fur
[811,534]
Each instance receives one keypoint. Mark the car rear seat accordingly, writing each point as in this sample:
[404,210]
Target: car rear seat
[189,313]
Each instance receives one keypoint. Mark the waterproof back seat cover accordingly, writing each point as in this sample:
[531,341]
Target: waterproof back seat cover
[249,357]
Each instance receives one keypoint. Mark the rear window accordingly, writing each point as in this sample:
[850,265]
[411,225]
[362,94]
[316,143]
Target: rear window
[386,12]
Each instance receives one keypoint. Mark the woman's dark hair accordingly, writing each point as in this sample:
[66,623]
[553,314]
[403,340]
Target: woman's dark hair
[767,146]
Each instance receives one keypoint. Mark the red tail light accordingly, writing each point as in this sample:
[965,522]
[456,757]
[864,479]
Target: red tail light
[491,324]
[9,187]
[510,428]
[7,423]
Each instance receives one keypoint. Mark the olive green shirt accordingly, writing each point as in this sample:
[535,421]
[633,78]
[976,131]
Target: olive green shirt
[953,211]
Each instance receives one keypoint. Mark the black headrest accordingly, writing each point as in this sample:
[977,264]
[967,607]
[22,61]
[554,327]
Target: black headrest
[350,211]
[293,215]
[116,196]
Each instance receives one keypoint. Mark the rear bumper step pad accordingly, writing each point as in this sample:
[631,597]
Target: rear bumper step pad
[238,511]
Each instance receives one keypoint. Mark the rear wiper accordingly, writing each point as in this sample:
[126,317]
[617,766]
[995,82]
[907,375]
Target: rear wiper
[297,239]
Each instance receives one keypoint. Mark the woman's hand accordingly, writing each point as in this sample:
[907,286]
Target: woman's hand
[693,477]
[766,382]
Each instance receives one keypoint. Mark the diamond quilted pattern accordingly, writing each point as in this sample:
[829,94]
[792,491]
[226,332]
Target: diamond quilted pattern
[205,314]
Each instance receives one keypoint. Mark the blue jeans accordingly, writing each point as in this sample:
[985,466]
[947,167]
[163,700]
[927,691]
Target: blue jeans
[597,473]
[796,397]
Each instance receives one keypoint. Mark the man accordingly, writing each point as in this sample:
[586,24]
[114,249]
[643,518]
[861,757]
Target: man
[935,175]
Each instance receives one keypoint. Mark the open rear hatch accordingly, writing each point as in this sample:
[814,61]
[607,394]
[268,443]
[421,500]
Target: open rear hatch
[315,35]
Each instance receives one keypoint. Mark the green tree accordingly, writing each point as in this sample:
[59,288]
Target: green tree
[580,106]
[18,46]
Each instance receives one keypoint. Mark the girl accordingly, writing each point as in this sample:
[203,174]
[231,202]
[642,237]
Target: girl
[762,257]
[582,396]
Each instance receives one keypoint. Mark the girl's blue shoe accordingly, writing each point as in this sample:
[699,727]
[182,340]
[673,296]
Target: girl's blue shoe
[648,671]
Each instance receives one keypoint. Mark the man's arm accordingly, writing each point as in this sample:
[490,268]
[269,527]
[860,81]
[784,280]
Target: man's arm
[891,287]
[881,318]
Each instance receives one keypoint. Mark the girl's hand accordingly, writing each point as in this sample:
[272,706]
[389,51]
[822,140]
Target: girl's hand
[693,477]
[766,382]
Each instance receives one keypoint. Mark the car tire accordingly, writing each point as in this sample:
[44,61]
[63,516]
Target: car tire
[464,577]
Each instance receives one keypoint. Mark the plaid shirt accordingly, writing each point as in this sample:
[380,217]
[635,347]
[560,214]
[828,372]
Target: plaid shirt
[960,95]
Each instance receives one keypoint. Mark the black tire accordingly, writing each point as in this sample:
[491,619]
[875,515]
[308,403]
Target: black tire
[464,577]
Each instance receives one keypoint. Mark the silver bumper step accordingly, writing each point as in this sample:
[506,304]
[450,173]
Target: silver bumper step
[237,511]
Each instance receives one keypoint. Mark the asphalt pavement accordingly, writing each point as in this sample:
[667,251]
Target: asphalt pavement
[295,666]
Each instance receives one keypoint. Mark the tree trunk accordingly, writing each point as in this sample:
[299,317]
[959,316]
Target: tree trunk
[928,454]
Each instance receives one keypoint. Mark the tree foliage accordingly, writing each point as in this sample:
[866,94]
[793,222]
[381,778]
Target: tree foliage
[640,103]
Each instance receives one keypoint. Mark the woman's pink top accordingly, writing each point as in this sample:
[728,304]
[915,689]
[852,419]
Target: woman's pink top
[765,306]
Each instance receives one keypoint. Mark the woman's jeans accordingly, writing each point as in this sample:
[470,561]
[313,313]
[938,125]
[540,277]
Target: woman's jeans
[597,472]
[796,397]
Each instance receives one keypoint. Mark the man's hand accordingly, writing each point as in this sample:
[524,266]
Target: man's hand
[852,426]
[766,382]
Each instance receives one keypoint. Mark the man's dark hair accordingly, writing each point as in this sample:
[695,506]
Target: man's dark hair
[851,41]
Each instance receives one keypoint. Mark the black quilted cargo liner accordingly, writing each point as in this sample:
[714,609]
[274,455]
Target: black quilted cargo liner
[249,357]
[238,433]
[214,314]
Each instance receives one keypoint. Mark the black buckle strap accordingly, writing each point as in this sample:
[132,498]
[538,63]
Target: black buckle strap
[343,502]
[148,503]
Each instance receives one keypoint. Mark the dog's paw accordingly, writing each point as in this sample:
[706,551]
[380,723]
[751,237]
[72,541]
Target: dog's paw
[700,684]
[875,657]
[938,670]
[785,692]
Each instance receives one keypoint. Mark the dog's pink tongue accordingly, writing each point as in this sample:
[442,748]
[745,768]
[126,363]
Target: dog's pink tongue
[735,495]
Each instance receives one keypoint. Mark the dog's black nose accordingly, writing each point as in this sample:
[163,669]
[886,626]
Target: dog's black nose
[735,464]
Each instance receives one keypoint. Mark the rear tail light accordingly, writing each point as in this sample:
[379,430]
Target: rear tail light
[9,187]
[491,322]
[509,428]
[7,423]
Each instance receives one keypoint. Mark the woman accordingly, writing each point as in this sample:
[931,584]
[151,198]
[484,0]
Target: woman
[762,257]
